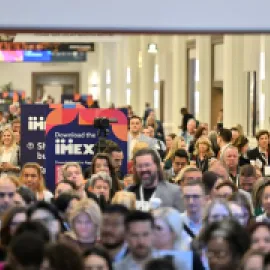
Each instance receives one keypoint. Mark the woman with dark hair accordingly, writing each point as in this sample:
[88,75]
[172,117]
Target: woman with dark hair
[200,132]
[61,256]
[9,223]
[97,257]
[226,242]
[260,237]
[103,162]
[242,145]
[48,215]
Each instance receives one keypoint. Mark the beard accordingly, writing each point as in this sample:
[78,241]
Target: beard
[113,245]
[148,178]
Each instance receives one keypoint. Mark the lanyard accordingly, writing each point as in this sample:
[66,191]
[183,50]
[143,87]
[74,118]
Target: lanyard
[142,195]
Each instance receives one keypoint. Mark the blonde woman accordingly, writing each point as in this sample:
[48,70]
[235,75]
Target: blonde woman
[177,143]
[202,154]
[31,176]
[9,153]
[125,198]
[85,221]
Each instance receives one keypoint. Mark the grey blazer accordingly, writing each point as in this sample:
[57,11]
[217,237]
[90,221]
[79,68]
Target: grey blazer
[171,195]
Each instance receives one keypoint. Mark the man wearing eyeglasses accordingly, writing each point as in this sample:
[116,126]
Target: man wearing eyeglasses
[151,189]
[194,200]
[7,193]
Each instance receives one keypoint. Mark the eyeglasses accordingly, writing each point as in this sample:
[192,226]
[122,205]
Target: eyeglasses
[193,196]
[143,166]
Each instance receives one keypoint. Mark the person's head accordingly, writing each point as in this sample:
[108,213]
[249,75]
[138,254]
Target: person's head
[191,126]
[24,196]
[100,184]
[26,251]
[139,233]
[64,202]
[217,210]
[128,180]
[263,139]
[239,200]
[230,157]
[117,156]
[169,139]
[218,168]
[47,214]
[235,134]
[102,163]
[16,125]
[201,131]
[247,177]
[32,177]
[72,171]
[187,174]
[180,160]
[160,264]
[8,187]
[224,136]
[260,236]
[113,229]
[59,256]
[242,145]
[64,186]
[9,223]
[147,168]
[253,260]
[203,146]
[146,131]
[266,197]
[168,228]
[135,124]
[97,258]
[151,131]
[194,198]
[7,137]
[184,111]
[226,242]
[125,198]
[85,219]
[225,189]
[210,181]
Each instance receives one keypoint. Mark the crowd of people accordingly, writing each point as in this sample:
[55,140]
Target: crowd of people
[199,199]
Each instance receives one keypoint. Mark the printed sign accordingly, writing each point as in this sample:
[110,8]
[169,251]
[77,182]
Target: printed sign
[71,136]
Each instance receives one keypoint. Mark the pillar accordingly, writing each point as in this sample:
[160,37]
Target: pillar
[234,89]
[204,84]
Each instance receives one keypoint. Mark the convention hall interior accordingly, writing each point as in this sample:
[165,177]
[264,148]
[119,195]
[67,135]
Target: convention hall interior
[205,73]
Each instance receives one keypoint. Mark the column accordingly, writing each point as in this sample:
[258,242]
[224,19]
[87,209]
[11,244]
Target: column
[178,98]
[101,72]
[265,89]
[234,90]
[146,75]
[203,84]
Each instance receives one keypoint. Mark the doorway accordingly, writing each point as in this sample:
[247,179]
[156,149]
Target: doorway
[216,104]
[54,84]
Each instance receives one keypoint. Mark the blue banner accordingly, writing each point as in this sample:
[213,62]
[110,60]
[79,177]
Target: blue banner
[33,124]
[71,135]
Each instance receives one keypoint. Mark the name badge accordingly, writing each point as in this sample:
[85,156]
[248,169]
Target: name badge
[267,170]
[143,206]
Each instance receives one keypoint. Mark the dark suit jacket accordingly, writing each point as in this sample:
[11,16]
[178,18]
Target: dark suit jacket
[255,154]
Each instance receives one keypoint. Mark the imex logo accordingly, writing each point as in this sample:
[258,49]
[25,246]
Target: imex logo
[67,147]
[36,123]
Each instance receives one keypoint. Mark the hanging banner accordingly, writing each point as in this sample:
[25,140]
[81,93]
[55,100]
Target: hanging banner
[75,134]
[85,100]
[33,124]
